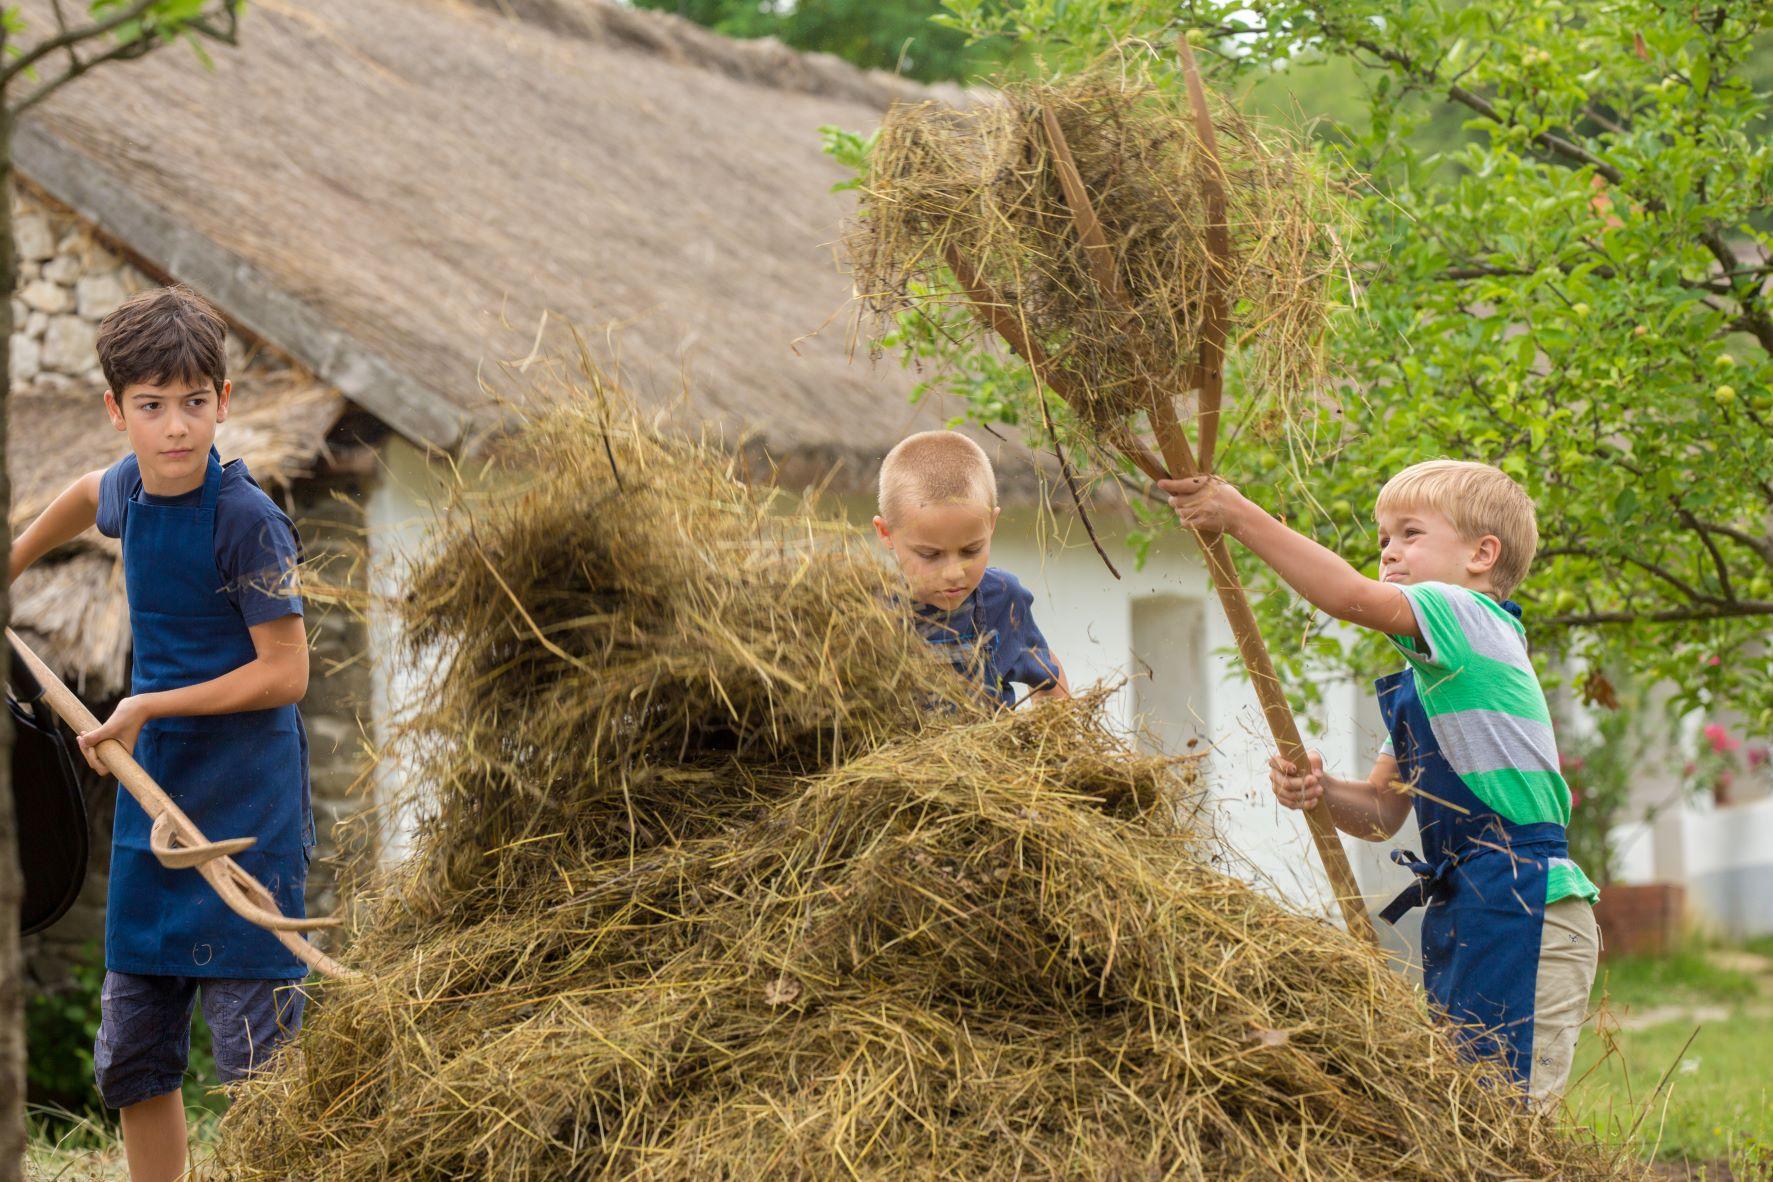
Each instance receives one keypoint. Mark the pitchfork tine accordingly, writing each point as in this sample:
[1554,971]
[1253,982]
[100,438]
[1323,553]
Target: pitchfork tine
[253,903]
[173,855]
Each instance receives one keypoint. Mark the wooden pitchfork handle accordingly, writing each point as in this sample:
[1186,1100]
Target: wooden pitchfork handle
[175,840]
[1179,457]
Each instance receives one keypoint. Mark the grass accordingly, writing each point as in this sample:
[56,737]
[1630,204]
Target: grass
[1701,1020]
[1691,975]
[66,1147]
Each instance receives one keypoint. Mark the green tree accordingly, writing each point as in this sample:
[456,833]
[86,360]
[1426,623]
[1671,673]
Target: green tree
[1565,268]
[68,40]
[896,35]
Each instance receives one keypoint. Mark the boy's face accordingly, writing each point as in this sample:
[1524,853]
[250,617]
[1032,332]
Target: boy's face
[171,427]
[942,549]
[1420,545]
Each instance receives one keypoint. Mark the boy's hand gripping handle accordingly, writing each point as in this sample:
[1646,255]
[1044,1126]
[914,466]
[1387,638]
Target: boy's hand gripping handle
[175,839]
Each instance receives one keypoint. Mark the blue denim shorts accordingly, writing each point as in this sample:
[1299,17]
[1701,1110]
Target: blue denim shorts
[144,1035]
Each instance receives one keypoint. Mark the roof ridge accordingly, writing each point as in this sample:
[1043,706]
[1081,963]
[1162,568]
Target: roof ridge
[761,61]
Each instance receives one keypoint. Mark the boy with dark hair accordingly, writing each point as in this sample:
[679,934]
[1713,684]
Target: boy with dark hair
[220,661]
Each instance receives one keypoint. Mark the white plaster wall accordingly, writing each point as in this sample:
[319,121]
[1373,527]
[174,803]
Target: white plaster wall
[1726,859]
[1634,847]
[1087,618]
[400,514]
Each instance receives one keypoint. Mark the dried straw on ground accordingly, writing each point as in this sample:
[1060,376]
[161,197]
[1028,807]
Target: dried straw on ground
[728,878]
[984,183]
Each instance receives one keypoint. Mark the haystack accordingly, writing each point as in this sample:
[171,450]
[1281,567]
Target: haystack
[727,877]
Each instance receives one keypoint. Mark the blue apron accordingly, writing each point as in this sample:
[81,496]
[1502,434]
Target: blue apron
[233,774]
[1482,879]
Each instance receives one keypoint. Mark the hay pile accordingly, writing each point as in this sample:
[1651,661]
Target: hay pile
[729,878]
[984,183]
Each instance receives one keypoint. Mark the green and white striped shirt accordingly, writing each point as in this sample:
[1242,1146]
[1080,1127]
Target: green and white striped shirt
[1488,713]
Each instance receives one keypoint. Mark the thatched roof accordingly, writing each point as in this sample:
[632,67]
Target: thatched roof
[395,191]
[72,602]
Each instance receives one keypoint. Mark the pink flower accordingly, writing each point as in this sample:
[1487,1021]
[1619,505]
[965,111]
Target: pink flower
[1713,660]
[1757,756]
[1575,796]
[1689,768]
[1719,738]
[1571,763]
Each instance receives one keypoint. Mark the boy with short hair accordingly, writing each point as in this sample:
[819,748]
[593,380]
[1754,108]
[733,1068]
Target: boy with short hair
[220,661]
[1508,940]
[938,509]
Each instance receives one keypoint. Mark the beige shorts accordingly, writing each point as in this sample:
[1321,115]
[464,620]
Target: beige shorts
[1569,946]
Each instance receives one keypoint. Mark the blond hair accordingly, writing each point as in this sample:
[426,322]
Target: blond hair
[1478,499]
[935,467]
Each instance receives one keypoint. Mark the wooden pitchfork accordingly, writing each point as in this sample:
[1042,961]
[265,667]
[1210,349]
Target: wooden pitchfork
[1179,458]
[176,841]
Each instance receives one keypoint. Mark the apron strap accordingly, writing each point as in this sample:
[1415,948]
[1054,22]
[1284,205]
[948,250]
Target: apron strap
[1431,880]
[1544,839]
[212,480]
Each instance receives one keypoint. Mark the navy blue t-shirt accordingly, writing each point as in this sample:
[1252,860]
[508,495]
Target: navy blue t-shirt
[993,636]
[255,542]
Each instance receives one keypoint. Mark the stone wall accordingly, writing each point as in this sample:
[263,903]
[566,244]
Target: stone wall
[70,278]
[328,513]
[68,281]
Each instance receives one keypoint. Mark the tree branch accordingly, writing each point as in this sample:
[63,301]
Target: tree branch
[1717,560]
[230,35]
[61,25]
[1647,567]
[1555,144]
[1738,610]
[128,51]
[1758,325]
[1606,123]
[71,37]
[226,33]
[1671,579]
[1762,546]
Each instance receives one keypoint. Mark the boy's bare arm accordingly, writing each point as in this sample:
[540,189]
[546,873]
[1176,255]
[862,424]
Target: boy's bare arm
[1319,574]
[1370,809]
[68,516]
[276,676]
